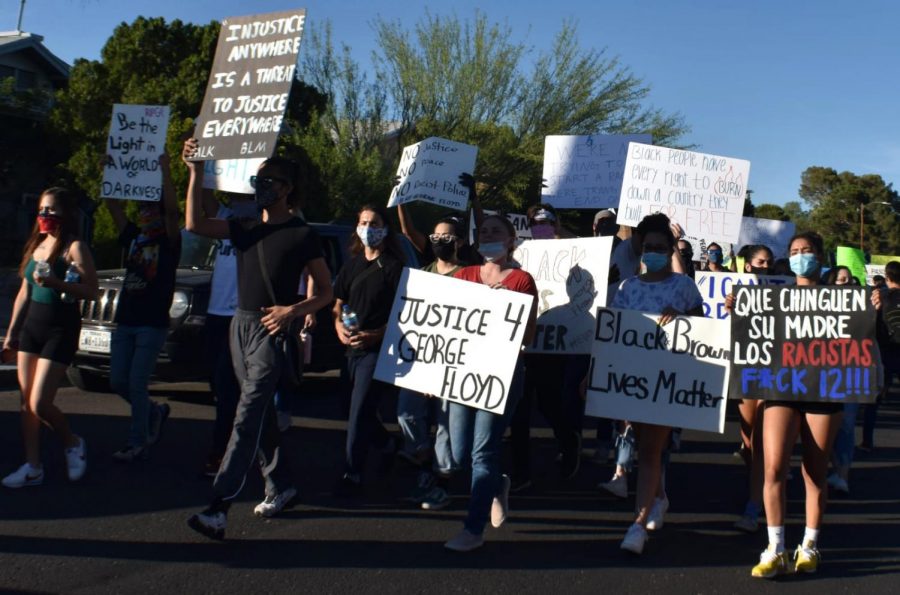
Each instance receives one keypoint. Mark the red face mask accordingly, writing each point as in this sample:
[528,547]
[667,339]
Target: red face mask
[49,223]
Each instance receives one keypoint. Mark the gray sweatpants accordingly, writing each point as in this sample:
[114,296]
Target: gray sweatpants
[258,360]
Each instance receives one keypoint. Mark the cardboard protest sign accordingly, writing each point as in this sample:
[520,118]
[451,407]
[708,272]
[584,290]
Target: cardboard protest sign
[571,278]
[429,171]
[703,193]
[673,375]
[714,287]
[700,248]
[454,339]
[585,172]
[519,221]
[854,259]
[231,175]
[804,344]
[872,270]
[249,85]
[137,137]
[771,233]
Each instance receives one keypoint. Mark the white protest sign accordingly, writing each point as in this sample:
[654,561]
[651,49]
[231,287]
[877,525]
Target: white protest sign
[700,247]
[231,175]
[453,339]
[429,171]
[137,137]
[872,270]
[771,233]
[585,172]
[715,286]
[674,375]
[703,193]
[571,278]
[519,221]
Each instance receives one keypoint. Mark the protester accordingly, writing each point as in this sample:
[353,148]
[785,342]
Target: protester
[153,248]
[271,256]
[661,291]
[817,424]
[714,259]
[415,411]
[839,275]
[605,226]
[366,286]
[44,328]
[686,251]
[476,434]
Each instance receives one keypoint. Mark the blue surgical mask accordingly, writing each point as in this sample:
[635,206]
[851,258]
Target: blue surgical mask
[654,261]
[492,251]
[371,236]
[804,265]
[715,256]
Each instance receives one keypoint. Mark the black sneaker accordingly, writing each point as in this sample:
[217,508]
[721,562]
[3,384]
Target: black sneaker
[130,454]
[519,484]
[348,486]
[157,422]
[571,458]
[209,523]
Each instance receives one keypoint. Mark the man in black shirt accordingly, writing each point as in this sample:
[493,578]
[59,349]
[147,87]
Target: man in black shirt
[284,245]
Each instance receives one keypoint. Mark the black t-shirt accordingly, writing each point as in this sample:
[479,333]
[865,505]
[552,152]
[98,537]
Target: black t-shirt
[149,276]
[288,247]
[371,297]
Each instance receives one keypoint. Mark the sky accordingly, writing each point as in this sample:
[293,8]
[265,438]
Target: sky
[783,84]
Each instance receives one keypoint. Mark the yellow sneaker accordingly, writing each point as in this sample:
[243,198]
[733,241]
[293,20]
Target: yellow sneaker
[806,559]
[771,564]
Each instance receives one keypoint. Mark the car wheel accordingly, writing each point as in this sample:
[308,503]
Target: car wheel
[88,380]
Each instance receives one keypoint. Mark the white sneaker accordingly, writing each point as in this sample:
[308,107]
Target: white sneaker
[617,486]
[76,460]
[465,542]
[26,475]
[209,523]
[838,483]
[284,420]
[272,505]
[635,539]
[500,506]
[657,514]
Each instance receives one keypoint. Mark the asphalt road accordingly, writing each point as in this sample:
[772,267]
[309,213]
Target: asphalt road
[122,528]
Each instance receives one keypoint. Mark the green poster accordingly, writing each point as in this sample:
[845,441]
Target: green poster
[853,259]
[882,259]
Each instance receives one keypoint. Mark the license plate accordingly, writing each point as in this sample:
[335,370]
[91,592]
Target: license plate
[94,341]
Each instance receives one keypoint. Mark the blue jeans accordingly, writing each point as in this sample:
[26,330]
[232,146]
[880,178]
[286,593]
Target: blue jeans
[133,354]
[845,441]
[625,448]
[478,434]
[415,414]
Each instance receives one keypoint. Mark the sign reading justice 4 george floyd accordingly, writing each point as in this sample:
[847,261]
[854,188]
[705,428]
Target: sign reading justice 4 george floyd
[673,375]
[137,138]
[804,344]
[249,84]
[703,193]
[454,339]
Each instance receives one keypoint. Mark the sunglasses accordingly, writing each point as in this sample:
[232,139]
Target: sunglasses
[443,238]
[265,181]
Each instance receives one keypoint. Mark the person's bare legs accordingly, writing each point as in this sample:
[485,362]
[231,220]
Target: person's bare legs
[652,440]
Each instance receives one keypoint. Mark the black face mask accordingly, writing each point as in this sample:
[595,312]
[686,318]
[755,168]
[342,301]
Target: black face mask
[687,255]
[445,252]
[759,270]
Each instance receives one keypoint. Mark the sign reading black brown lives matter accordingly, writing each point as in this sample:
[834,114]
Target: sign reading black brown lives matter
[804,344]
[249,85]
[674,375]
[454,339]
[137,138]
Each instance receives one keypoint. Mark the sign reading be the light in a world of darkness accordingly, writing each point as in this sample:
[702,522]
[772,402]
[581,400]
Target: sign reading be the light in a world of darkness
[703,193]
[804,344]
[454,339]
[429,171]
[585,172]
[137,137]
[249,85]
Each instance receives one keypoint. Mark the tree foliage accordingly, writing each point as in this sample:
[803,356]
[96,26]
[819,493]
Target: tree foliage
[836,200]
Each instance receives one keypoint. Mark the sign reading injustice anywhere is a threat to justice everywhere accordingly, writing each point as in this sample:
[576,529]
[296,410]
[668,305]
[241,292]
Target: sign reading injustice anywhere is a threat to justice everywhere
[804,344]
[249,85]
[137,137]
[454,339]
[571,282]
[703,193]
[673,375]
[429,172]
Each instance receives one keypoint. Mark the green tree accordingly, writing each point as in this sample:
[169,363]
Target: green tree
[770,211]
[836,201]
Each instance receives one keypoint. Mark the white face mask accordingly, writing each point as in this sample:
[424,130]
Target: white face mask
[371,236]
[492,251]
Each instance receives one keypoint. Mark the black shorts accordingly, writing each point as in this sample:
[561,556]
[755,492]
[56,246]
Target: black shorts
[814,407]
[51,331]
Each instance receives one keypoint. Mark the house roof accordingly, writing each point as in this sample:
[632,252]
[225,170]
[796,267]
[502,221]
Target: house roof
[18,41]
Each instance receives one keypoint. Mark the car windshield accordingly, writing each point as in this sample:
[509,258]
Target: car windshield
[197,252]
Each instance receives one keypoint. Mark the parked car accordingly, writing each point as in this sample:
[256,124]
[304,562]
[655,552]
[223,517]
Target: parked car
[183,356]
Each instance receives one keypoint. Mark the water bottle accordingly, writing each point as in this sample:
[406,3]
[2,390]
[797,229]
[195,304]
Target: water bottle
[349,319]
[42,268]
[72,276]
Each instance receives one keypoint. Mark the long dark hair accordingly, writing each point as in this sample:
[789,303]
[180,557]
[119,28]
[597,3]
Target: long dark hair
[390,244]
[67,205]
